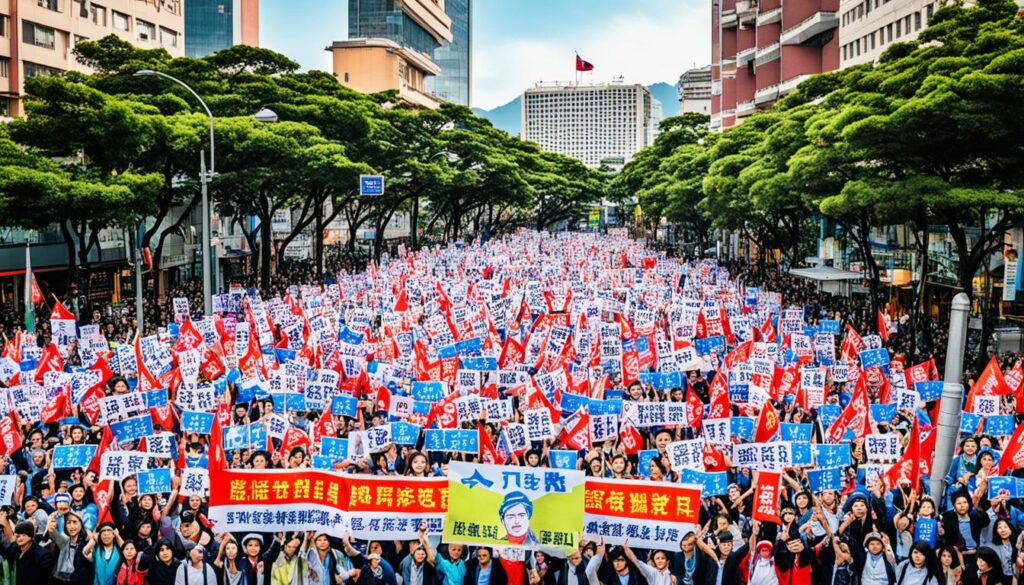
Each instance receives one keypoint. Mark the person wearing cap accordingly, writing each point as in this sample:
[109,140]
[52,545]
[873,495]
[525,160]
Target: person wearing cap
[72,564]
[28,563]
[515,512]
[87,511]
[258,560]
[874,561]
[418,567]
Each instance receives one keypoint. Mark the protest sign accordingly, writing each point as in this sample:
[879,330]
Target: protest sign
[72,456]
[649,514]
[514,507]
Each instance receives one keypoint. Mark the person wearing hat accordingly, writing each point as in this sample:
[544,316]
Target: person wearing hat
[103,553]
[28,563]
[257,561]
[961,527]
[483,569]
[418,567]
[858,521]
[326,565]
[515,512]
[874,561]
[72,565]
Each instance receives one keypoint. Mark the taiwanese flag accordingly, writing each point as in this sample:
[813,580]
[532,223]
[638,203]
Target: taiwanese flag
[883,331]
[582,65]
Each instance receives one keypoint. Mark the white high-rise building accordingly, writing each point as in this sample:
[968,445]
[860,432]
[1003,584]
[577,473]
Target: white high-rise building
[694,89]
[594,123]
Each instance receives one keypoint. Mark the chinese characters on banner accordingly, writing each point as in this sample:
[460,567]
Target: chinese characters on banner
[649,514]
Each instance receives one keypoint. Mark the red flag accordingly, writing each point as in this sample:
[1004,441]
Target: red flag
[10,434]
[37,293]
[766,497]
[714,459]
[857,411]
[694,410]
[767,424]
[60,312]
[101,494]
[50,361]
[324,426]
[719,404]
[105,441]
[90,404]
[883,331]
[402,302]
[216,453]
[989,383]
[488,454]
[56,408]
[1013,456]
[537,399]
[852,344]
[146,379]
[927,449]
[577,436]
[630,439]
[908,467]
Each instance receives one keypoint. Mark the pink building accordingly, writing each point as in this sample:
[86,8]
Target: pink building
[762,49]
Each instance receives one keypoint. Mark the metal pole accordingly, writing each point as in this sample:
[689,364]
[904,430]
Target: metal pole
[952,396]
[207,287]
[139,317]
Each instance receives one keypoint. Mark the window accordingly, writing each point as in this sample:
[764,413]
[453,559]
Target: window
[80,39]
[4,23]
[37,34]
[906,25]
[888,28]
[53,5]
[5,65]
[917,21]
[147,31]
[929,10]
[867,6]
[5,107]
[35,70]
[899,28]
[168,38]
[872,40]
[98,15]
[120,21]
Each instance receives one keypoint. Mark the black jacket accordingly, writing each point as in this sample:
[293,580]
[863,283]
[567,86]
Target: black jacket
[951,528]
[34,567]
[705,570]
[498,576]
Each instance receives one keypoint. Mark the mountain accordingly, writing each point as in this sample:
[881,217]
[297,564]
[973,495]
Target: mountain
[506,117]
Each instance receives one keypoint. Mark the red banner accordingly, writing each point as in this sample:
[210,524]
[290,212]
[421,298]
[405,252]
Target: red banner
[648,513]
[766,498]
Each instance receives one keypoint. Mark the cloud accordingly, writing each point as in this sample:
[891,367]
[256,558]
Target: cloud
[667,38]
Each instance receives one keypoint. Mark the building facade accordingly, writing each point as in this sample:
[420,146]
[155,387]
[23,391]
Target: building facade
[868,27]
[454,83]
[592,123]
[694,88]
[762,49]
[214,25]
[390,47]
[37,37]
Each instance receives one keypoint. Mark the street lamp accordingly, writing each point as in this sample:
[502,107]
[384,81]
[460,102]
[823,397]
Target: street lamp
[265,115]
[451,157]
[204,177]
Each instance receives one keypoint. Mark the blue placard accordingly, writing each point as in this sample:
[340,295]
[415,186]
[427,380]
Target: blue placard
[334,448]
[286,355]
[289,402]
[711,484]
[870,358]
[825,479]
[929,391]
[832,455]
[371,185]
[472,346]
[344,405]
[801,454]
[245,436]
[883,413]
[796,431]
[322,462]
[197,422]
[462,441]
[487,364]
[1002,425]
[404,433]
[155,398]
[644,461]
[72,456]
[1014,486]
[598,407]
[829,326]
[433,440]
[969,422]
[739,393]
[447,352]
[571,403]
[828,414]
[925,530]
[742,427]
[350,337]
[563,459]
[154,481]
[132,429]
[705,345]
[428,391]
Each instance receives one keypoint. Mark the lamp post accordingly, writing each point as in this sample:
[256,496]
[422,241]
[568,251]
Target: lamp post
[204,177]
[414,215]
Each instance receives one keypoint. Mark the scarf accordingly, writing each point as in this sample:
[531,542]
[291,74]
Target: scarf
[104,564]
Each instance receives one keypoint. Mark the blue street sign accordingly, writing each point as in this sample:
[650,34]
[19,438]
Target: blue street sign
[372,185]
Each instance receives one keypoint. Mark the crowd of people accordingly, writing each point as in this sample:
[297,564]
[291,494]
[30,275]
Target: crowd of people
[868,531]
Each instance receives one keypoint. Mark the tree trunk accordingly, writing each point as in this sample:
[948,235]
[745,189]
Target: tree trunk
[69,241]
[413,224]
[266,247]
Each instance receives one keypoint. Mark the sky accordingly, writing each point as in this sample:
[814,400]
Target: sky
[519,42]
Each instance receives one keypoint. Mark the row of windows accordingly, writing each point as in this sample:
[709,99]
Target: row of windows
[887,34]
